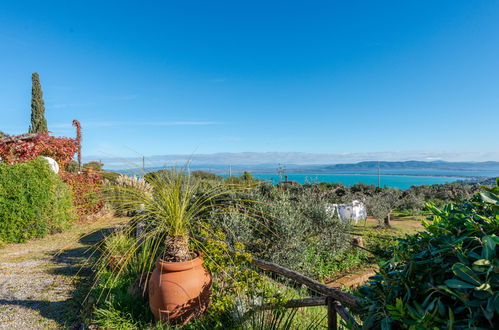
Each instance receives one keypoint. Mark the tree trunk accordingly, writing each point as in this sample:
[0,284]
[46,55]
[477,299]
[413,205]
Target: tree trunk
[386,221]
[177,249]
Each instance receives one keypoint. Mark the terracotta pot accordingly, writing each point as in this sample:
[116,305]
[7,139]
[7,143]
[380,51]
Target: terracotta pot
[179,291]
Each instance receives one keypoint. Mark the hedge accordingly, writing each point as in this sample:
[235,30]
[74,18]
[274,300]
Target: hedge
[446,277]
[33,201]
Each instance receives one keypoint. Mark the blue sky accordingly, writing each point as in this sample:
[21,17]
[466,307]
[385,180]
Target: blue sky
[183,77]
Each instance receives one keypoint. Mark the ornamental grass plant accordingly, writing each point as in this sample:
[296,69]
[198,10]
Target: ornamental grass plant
[169,206]
[166,215]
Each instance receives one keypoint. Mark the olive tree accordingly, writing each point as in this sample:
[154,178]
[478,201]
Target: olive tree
[380,205]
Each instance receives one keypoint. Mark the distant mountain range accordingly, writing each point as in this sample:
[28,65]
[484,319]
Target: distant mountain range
[434,168]
[442,168]
[423,168]
[414,164]
[298,158]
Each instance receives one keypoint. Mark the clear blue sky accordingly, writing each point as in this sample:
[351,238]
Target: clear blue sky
[167,77]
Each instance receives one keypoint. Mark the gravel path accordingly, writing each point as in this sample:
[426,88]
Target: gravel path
[42,282]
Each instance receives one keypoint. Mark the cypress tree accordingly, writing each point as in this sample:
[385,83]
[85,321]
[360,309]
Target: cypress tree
[38,121]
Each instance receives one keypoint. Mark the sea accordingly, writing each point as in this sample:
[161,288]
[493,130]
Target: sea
[392,181]
[402,179]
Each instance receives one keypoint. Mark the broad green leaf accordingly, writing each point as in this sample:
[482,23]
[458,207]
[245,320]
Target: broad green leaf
[474,255]
[441,308]
[494,238]
[458,284]
[489,197]
[489,246]
[430,307]
[386,324]
[465,273]
[495,303]
[451,319]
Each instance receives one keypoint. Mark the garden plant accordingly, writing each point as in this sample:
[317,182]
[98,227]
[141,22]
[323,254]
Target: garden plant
[444,277]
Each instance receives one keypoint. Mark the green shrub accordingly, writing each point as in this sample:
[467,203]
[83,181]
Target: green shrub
[286,225]
[95,166]
[109,176]
[445,277]
[205,175]
[33,201]
[118,244]
[111,317]
[72,167]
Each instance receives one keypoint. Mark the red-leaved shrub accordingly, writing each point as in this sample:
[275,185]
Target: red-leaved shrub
[30,146]
[87,194]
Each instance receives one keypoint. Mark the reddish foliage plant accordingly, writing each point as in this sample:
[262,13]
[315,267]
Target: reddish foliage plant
[87,194]
[31,146]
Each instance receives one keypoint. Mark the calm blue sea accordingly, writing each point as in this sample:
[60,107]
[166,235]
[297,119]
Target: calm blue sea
[393,181]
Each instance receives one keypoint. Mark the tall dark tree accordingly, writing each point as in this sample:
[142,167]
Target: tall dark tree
[38,121]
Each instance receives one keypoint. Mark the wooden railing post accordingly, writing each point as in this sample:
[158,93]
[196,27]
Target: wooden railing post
[334,299]
[347,299]
[332,320]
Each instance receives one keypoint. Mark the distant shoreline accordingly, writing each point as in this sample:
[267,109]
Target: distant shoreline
[365,174]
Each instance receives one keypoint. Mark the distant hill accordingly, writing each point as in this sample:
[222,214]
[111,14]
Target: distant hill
[413,167]
[414,164]
[272,159]
[476,170]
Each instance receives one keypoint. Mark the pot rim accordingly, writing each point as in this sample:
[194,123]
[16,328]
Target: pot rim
[173,266]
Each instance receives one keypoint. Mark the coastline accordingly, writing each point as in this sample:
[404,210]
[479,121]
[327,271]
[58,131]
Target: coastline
[470,177]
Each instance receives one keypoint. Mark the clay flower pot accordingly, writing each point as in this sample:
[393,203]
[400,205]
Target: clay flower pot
[179,291]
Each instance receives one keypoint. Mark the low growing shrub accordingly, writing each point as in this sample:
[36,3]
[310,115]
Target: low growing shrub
[445,277]
[284,225]
[33,201]
[88,198]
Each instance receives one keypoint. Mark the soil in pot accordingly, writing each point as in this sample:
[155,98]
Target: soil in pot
[179,291]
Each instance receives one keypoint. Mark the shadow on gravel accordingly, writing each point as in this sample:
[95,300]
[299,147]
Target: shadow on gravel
[73,263]
[62,312]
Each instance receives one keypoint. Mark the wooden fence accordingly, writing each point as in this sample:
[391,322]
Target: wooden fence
[334,299]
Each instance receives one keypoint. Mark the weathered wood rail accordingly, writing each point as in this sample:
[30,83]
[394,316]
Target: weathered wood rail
[333,298]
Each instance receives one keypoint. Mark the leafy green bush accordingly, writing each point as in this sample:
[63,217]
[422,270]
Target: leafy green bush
[109,176]
[445,277]
[118,244]
[205,175]
[72,167]
[33,201]
[327,265]
[284,225]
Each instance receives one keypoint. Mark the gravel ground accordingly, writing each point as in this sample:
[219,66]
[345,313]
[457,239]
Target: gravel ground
[42,282]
